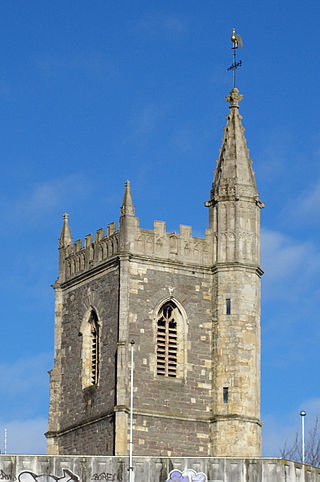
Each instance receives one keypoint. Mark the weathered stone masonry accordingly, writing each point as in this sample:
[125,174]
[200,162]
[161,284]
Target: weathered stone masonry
[211,404]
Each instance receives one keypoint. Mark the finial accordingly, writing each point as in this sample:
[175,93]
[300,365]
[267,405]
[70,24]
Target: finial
[234,98]
[127,204]
[236,41]
[65,236]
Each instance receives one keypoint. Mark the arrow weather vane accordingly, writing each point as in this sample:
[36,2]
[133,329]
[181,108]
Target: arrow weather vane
[236,41]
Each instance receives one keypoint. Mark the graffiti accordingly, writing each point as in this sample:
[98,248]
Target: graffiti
[28,476]
[104,476]
[188,475]
[4,476]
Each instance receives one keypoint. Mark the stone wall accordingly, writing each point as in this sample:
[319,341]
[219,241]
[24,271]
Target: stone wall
[237,362]
[172,413]
[44,468]
[86,415]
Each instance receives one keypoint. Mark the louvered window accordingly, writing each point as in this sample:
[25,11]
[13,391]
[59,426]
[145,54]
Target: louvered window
[167,345]
[94,348]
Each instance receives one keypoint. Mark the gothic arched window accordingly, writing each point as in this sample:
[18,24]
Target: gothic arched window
[90,350]
[167,340]
[94,348]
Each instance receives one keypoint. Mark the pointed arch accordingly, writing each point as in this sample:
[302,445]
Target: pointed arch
[90,353]
[170,339]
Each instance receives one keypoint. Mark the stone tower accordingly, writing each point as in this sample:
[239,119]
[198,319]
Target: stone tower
[191,304]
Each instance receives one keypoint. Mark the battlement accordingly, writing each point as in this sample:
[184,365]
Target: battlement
[79,258]
[157,243]
[180,247]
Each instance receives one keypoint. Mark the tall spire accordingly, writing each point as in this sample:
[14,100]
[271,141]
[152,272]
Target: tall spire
[65,236]
[127,207]
[234,176]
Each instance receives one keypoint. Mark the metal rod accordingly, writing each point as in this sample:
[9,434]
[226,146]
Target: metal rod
[5,440]
[234,67]
[303,414]
[131,417]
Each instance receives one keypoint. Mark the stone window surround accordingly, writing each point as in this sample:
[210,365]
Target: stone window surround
[86,349]
[182,339]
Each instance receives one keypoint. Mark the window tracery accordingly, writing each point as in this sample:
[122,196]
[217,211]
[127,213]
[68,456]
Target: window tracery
[167,340]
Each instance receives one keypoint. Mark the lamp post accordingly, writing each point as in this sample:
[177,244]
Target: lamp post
[303,414]
[131,416]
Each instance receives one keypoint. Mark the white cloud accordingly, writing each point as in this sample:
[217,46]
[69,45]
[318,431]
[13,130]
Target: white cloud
[288,263]
[162,24]
[281,254]
[277,430]
[274,149]
[24,436]
[174,23]
[146,120]
[89,62]
[44,197]
[25,375]
[308,203]
[274,435]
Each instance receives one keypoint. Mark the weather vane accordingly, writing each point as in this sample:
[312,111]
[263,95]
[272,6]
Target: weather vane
[236,41]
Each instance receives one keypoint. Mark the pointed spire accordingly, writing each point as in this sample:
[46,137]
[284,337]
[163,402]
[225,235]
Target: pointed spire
[127,207]
[234,176]
[65,236]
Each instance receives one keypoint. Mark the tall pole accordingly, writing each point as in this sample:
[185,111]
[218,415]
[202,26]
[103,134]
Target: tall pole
[303,414]
[5,440]
[234,66]
[131,416]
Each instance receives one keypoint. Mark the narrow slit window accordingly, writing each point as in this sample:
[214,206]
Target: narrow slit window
[225,395]
[228,306]
[167,341]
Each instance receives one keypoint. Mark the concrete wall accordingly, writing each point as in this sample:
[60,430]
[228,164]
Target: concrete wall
[68,468]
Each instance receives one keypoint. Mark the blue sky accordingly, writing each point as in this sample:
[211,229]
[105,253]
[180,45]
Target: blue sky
[94,93]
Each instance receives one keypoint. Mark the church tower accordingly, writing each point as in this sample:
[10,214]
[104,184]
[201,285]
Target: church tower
[234,219]
[192,306]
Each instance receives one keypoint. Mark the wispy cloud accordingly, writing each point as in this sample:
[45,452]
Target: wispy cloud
[161,24]
[281,254]
[307,204]
[43,197]
[185,140]
[24,436]
[23,376]
[94,63]
[274,155]
[283,258]
[282,428]
[145,120]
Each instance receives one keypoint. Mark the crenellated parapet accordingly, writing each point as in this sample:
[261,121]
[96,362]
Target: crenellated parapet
[131,240]
[79,258]
[180,247]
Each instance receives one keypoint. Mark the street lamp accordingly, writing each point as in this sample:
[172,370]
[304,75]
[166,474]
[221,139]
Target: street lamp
[303,414]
